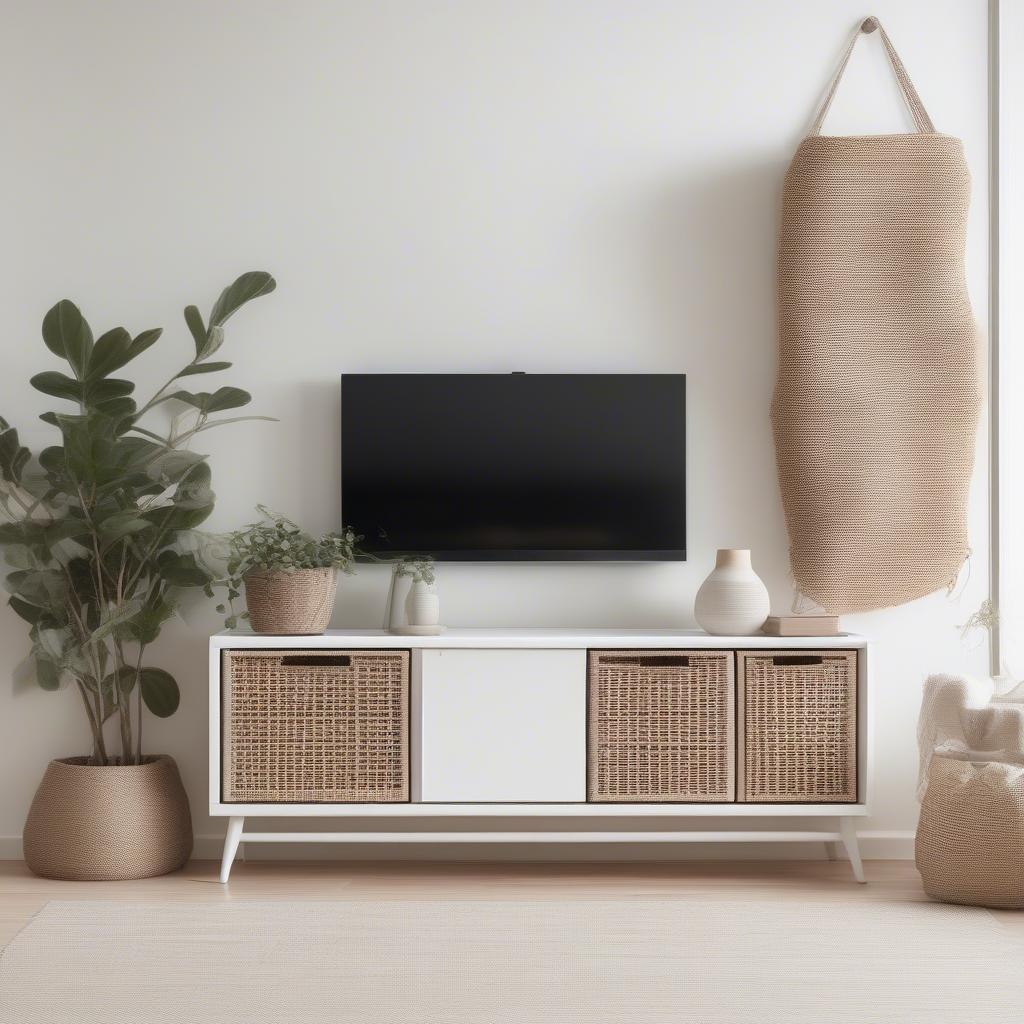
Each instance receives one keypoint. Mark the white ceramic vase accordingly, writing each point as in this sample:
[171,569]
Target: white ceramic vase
[397,602]
[732,601]
[422,606]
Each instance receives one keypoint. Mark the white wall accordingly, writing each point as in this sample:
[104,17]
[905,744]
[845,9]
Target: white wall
[454,185]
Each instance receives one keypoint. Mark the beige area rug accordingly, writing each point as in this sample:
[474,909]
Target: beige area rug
[707,961]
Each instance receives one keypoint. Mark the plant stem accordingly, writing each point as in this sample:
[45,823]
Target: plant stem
[124,707]
[159,396]
[99,749]
[138,684]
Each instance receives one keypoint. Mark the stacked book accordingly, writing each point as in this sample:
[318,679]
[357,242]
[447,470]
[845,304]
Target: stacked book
[801,625]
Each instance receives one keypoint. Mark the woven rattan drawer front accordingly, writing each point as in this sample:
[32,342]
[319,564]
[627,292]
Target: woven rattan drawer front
[315,726]
[661,727]
[798,726]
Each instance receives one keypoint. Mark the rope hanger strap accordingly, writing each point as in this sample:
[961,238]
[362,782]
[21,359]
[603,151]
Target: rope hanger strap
[917,110]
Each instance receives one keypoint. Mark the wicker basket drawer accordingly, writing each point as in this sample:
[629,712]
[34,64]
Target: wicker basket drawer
[315,726]
[798,726]
[661,727]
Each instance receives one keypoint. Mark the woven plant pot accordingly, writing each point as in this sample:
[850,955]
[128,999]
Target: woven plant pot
[295,603]
[970,839]
[108,823]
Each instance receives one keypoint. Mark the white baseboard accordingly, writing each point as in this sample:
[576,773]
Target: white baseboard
[875,845]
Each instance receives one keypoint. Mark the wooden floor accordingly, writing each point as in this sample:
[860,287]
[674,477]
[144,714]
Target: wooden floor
[22,895]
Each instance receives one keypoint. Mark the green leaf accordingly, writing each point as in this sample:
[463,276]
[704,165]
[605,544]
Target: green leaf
[47,674]
[171,465]
[120,410]
[142,341]
[145,627]
[106,390]
[220,400]
[67,335]
[247,287]
[45,588]
[121,524]
[126,677]
[59,385]
[114,617]
[214,340]
[194,492]
[112,351]
[160,692]
[52,641]
[88,447]
[195,368]
[228,398]
[29,612]
[13,456]
[196,327]
[181,570]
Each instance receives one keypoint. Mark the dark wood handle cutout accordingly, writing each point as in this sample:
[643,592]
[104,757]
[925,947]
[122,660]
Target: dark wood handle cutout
[651,660]
[317,660]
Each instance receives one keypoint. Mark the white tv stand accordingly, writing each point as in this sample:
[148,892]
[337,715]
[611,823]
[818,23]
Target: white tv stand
[469,713]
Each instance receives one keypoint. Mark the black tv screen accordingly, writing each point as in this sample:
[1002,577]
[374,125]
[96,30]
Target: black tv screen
[516,467]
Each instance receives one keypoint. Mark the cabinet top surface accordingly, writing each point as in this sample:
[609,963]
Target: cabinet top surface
[531,637]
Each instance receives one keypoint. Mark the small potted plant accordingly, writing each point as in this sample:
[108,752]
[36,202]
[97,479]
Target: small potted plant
[290,577]
[99,530]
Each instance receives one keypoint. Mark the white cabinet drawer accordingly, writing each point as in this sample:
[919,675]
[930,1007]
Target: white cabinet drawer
[501,726]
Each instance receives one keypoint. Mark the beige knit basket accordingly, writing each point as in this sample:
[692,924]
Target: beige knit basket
[661,727]
[297,603]
[315,726]
[798,723]
[878,391]
[108,823]
[970,837]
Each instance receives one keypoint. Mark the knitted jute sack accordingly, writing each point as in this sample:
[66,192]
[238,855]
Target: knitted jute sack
[970,839]
[877,398]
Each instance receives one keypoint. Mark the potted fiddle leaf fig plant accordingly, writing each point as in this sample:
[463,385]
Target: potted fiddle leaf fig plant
[98,531]
[290,577]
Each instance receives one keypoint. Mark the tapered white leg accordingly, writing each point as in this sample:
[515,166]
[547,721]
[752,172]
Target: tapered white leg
[831,853]
[231,841]
[848,830]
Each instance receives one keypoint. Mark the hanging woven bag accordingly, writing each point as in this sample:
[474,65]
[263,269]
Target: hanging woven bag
[877,398]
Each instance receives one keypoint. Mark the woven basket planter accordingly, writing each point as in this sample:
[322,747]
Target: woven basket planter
[970,838]
[295,603]
[108,823]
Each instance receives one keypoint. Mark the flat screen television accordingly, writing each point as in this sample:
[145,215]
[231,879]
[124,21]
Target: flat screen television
[516,467]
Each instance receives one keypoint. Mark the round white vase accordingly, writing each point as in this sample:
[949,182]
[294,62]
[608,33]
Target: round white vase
[732,601]
[422,607]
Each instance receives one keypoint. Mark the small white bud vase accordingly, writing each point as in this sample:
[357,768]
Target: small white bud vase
[732,601]
[422,606]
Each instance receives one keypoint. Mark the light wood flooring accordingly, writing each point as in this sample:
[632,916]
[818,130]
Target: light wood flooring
[22,895]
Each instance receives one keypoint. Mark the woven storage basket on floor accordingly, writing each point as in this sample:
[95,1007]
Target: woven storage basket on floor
[970,838]
[295,603]
[877,399]
[798,727]
[315,726]
[661,726]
